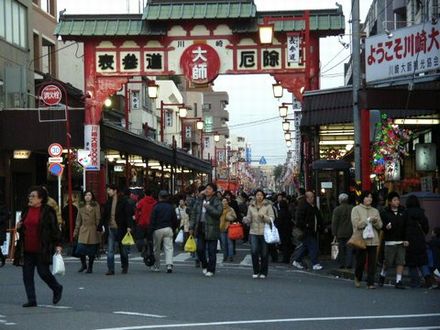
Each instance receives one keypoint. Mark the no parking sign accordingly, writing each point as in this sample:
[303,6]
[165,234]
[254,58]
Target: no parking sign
[56,169]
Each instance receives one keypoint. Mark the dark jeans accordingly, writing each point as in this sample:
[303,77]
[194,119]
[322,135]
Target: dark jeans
[123,251]
[310,244]
[211,246]
[345,254]
[369,255]
[259,251]
[32,261]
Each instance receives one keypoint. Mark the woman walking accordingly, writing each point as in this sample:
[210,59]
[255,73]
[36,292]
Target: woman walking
[87,221]
[39,239]
[228,216]
[364,215]
[259,213]
[183,218]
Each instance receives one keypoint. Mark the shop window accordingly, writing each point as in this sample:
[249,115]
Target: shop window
[48,57]
[169,118]
[428,137]
[13,22]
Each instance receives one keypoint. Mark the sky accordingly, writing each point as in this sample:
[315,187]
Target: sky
[250,96]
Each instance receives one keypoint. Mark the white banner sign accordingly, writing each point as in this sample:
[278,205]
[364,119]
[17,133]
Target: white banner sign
[92,144]
[293,47]
[410,50]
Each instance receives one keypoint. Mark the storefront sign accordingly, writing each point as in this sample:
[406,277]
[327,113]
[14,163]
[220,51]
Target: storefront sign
[200,63]
[410,50]
[392,170]
[51,95]
[293,47]
[22,154]
[426,157]
[92,144]
[83,157]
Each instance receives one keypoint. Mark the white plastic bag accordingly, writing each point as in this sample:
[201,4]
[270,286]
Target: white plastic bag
[271,235]
[368,231]
[180,237]
[335,249]
[58,264]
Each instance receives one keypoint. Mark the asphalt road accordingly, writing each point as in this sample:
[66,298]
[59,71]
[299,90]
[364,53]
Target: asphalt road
[287,299]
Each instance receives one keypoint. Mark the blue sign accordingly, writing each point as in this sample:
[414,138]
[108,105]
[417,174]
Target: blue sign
[262,161]
[56,169]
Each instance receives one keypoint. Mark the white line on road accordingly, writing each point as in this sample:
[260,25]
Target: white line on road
[182,257]
[140,314]
[10,323]
[55,307]
[411,328]
[305,319]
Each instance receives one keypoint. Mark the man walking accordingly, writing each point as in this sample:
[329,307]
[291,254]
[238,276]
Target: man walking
[117,220]
[205,223]
[394,228]
[308,219]
[163,224]
[342,229]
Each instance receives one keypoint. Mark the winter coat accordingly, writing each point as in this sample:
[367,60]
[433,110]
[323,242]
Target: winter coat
[143,211]
[163,216]
[214,209]
[284,224]
[308,218]
[341,221]
[258,217]
[359,215]
[228,216]
[49,233]
[417,227]
[87,222]
[397,232]
[122,216]
[4,222]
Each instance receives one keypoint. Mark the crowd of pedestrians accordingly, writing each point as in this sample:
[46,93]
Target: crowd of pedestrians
[391,235]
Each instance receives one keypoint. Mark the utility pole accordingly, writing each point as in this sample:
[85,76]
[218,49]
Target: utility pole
[355,56]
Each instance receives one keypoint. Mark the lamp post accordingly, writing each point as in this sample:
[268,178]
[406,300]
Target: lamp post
[162,115]
[277,90]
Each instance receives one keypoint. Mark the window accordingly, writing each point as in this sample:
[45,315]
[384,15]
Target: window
[37,59]
[428,137]
[48,7]
[47,57]
[187,132]
[13,22]
[169,118]
[206,144]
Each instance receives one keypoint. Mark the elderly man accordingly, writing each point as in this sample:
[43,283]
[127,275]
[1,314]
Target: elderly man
[342,229]
[308,220]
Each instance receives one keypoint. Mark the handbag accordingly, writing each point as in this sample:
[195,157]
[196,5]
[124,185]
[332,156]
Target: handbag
[58,267]
[357,242]
[190,245]
[334,249]
[180,237]
[271,235]
[128,239]
[235,231]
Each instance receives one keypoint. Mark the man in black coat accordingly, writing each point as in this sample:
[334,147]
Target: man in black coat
[394,228]
[308,219]
[117,220]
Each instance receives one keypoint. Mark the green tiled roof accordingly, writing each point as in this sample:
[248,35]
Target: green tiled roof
[331,21]
[199,10]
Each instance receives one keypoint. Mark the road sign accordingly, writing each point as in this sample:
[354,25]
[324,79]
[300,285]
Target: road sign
[55,150]
[262,161]
[56,169]
[51,95]
[55,160]
[84,158]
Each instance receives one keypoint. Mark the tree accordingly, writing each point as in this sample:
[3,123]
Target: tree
[277,171]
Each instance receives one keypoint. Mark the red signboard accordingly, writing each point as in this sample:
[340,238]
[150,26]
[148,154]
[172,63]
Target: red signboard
[51,95]
[200,63]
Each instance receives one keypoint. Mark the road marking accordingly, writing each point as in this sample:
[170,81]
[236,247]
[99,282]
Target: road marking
[55,307]
[182,257]
[140,314]
[10,323]
[411,328]
[305,319]
[3,321]
[247,261]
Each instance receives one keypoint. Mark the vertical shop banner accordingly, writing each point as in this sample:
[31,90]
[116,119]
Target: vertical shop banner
[407,51]
[93,145]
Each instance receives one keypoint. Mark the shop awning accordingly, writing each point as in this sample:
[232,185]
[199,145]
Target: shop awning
[335,106]
[117,138]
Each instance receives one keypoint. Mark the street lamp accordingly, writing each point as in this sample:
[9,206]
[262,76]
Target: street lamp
[286,125]
[216,138]
[265,32]
[153,89]
[283,111]
[183,112]
[277,89]
[162,115]
[108,102]
[200,124]
[289,143]
[287,136]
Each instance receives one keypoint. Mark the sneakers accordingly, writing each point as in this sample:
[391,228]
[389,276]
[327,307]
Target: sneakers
[209,274]
[254,276]
[297,265]
[169,269]
[399,285]
[381,281]
[204,271]
[317,267]
[262,276]
[436,273]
